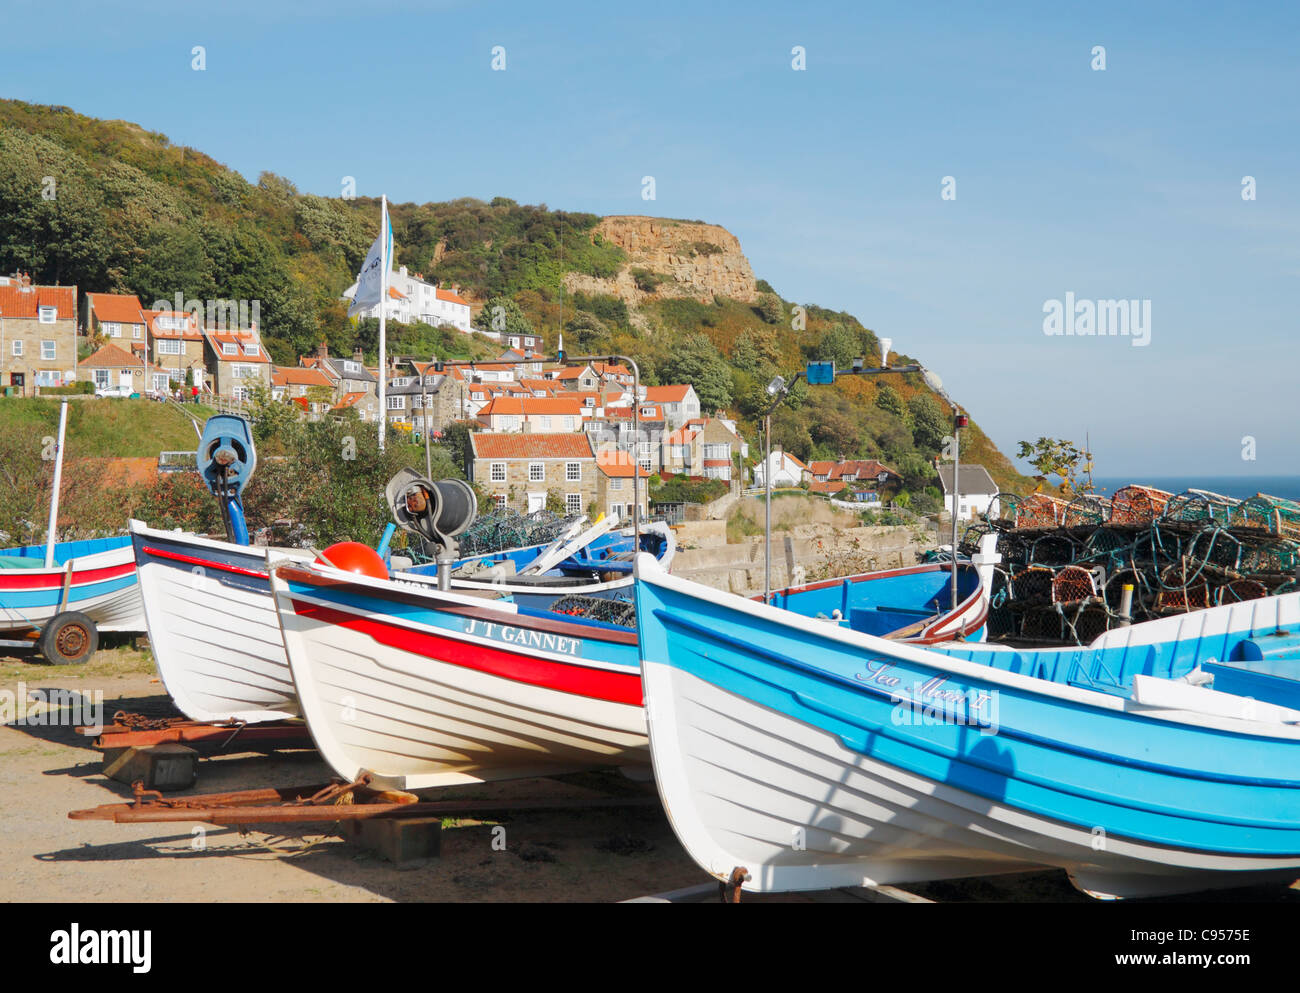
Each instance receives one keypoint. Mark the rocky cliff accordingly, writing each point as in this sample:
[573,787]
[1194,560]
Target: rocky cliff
[690,260]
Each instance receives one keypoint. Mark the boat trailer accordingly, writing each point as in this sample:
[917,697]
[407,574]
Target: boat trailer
[335,801]
[142,731]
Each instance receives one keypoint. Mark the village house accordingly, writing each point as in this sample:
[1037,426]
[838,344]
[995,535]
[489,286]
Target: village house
[176,344]
[518,470]
[236,363]
[614,427]
[975,494]
[525,362]
[412,299]
[405,398]
[582,378]
[364,404]
[680,403]
[310,389]
[531,414]
[348,375]
[616,487]
[702,447]
[113,366]
[786,470]
[116,317]
[867,480]
[38,335]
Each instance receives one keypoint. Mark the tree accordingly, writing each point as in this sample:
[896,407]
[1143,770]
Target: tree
[839,345]
[455,438]
[698,362]
[929,425]
[503,316]
[770,308]
[887,399]
[1056,457]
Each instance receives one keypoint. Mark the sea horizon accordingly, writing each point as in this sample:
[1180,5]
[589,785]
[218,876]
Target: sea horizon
[1237,487]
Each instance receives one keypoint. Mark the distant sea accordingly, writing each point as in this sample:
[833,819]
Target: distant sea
[1238,487]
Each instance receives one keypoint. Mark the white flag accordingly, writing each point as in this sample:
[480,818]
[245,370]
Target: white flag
[369,281]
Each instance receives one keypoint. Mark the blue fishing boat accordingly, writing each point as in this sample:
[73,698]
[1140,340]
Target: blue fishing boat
[813,756]
[422,687]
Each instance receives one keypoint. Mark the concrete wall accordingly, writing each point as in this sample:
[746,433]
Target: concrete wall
[823,553]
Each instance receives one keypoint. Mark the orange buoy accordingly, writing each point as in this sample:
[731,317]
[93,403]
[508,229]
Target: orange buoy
[352,556]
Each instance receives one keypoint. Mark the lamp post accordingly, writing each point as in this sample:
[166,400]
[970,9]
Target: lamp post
[959,421]
[817,374]
[424,418]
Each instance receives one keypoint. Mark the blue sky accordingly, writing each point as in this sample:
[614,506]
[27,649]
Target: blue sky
[1122,183]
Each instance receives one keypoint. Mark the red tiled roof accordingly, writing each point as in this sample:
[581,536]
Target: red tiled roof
[349,400]
[240,338]
[190,332]
[451,297]
[116,308]
[113,357]
[18,302]
[682,436]
[573,445]
[531,405]
[616,463]
[666,394]
[395,293]
[289,376]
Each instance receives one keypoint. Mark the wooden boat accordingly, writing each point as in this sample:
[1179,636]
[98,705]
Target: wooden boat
[815,756]
[422,688]
[89,587]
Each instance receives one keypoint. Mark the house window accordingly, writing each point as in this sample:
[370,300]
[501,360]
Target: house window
[168,347]
[717,451]
[101,377]
[137,331]
[397,403]
[47,315]
[112,330]
[545,423]
[645,465]
[170,324]
[536,472]
[498,472]
[47,350]
[252,350]
[500,499]
[573,503]
[568,423]
[18,347]
[573,472]
[229,349]
[616,484]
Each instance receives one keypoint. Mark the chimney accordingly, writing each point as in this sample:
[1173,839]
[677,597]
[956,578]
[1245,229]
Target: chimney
[402,271]
[322,351]
[358,357]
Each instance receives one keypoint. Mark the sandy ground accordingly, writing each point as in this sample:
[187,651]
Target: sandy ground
[596,855]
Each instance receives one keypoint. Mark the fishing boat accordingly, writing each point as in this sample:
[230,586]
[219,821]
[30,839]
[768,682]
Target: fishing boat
[65,592]
[85,587]
[814,756]
[421,687]
[208,607]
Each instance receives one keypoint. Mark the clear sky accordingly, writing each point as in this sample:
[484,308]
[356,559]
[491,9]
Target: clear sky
[1124,183]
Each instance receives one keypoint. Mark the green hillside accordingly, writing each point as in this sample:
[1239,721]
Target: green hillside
[135,213]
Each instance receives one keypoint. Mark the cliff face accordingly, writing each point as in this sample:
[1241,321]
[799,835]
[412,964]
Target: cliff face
[692,260]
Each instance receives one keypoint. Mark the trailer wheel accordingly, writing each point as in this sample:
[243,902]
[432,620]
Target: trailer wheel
[69,638]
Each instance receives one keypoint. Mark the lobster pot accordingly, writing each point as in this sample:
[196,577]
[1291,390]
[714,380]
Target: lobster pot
[1043,624]
[1088,509]
[1091,622]
[1032,586]
[1278,555]
[1038,510]
[1200,507]
[1239,590]
[1218,548]
[1269,513]
[1073,584]
[1137,504]
[1182,589]
[1141,591]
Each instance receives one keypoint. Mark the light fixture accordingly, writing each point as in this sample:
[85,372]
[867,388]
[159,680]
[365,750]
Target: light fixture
[776,386]
[932,380]
[885,345]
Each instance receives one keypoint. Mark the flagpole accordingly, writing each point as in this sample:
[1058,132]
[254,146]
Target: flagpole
[384,263]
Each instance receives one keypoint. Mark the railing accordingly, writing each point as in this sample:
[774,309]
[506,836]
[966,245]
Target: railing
[177,462]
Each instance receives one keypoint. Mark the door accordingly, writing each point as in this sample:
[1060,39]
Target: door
[536,501]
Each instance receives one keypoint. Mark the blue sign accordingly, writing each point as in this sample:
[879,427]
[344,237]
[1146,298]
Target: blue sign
[821,373]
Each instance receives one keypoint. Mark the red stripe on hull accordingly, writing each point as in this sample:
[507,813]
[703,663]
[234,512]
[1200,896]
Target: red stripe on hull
[204,563]
[564,677]
[51,580]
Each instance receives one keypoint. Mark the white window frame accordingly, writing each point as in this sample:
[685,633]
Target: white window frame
[228,349]
[537,472]
[497,472]
[573,503]
[47,314]
[397,402]
[544,421]
[615,482]
[17,350]
[573,472]
[168,346]
[49,349]
[500,499]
